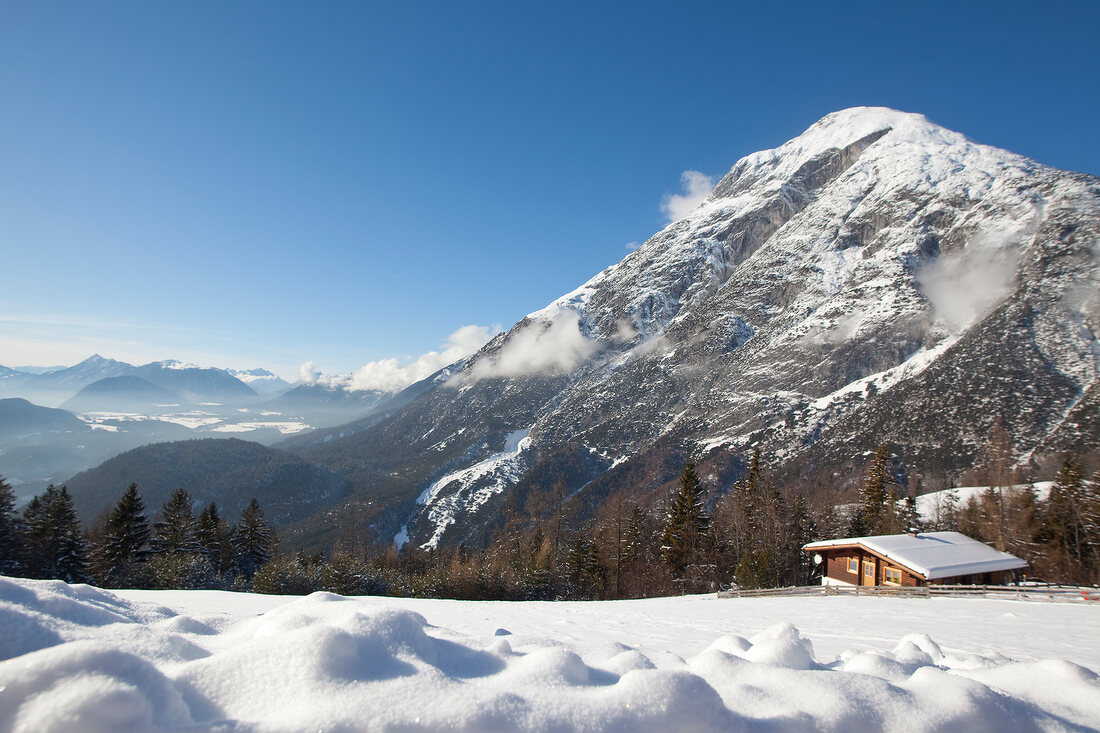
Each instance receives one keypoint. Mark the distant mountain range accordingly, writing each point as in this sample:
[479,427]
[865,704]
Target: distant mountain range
[108,407]
[184,383]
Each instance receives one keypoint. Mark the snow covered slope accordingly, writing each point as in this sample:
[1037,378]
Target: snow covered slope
[89,660]
[877,279]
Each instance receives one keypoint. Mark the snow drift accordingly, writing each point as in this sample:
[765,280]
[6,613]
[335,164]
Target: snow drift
[78,658]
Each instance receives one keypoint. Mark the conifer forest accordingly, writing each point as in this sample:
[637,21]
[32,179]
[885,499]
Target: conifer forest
[693,540]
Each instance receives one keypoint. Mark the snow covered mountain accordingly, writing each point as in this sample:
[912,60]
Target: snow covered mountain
[261,380]
[877,279]
[194,383]
[54,387]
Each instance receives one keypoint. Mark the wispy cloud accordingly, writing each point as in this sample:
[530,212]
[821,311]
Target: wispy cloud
[632,246]
[545,346]
[965,285]
[391,375]
[697,186]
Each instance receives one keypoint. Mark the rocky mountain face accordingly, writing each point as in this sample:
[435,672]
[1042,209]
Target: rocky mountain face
[878,279]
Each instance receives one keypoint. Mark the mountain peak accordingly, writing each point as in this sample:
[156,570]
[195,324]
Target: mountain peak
[872,261]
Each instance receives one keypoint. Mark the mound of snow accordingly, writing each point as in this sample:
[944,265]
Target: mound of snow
[80,659]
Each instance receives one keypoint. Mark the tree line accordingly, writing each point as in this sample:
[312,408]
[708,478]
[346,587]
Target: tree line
[180,549]
[547,546]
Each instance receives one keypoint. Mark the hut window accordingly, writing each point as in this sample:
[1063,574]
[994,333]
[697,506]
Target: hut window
[853,565]
[893,576]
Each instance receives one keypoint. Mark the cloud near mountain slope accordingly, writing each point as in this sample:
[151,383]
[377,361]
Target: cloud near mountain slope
[391,375]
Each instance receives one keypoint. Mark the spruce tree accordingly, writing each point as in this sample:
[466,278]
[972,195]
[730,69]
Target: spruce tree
[176,530]
[877,512]
[178,559]
[125,541]
[687,526]
[585,569]
[803,529]
[11,532]
[1065,521]
[253,540]
[213,535]
[55,542]
[748,508]
[631,541]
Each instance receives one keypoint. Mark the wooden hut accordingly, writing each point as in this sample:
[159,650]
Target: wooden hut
[917,558]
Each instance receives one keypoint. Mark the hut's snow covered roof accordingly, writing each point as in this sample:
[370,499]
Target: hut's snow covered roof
[932,554]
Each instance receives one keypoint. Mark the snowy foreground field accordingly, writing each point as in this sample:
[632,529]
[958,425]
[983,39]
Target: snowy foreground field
[82,659]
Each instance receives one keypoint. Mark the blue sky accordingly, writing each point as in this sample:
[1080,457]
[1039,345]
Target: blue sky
[263,184]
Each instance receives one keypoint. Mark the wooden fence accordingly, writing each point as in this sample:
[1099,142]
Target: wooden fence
[1063,593]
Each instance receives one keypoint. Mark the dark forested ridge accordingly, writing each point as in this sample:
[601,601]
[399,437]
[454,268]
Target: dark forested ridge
[227,471]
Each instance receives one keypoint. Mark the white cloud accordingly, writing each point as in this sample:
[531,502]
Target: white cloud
[697,186]
[964,286]
[632,246]
[391,375]
[625,332]
[308,373]
[554,346]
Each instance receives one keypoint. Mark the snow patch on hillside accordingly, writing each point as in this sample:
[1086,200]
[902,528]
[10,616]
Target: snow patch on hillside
[466,490]
[933,505]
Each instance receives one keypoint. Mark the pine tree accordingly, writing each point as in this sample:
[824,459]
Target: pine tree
[1022,528]
[125,540]
[346,575]
[876,514]
[687,526]
[631,541]
[585,569]
[178,559]
[253,540]
[748,509]
[803,530]
[55,543]
[176,530]
[1065,520]
[11,532]
[214,537]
